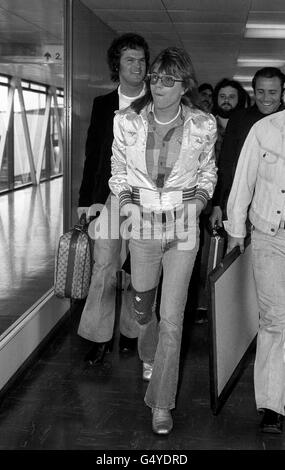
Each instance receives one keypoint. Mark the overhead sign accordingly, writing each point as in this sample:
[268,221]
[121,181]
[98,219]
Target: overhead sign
[53,53]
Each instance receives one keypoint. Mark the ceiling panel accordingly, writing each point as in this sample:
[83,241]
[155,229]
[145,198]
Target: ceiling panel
[211,31]
[26,39]
[267,17]
[141,27]
[208,5]
[265,5]
[34,14]
[205,16]
[156,16]
[212,43]
[210,28]
[264,47]
[124,4]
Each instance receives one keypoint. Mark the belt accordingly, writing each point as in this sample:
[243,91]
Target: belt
[160,216]
[282,224]
[154,197]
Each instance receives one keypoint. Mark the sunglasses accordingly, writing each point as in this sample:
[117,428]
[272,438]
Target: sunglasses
[166,80]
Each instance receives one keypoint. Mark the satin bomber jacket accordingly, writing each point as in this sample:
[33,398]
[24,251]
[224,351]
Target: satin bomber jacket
[194,172]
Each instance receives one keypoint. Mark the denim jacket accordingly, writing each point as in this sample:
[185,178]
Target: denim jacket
[259,181]
[193,172]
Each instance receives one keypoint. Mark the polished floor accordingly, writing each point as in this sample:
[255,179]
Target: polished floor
[59,403]
[30,225]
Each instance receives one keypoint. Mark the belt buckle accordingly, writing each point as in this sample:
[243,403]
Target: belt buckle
[282,224]
[149,197]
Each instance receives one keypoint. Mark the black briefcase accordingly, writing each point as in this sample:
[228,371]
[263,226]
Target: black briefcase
[216,249]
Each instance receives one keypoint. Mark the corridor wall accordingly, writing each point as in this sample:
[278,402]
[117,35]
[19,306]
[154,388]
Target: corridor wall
[90,78]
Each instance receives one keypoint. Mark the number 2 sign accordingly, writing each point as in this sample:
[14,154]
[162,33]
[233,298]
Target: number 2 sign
[53,53]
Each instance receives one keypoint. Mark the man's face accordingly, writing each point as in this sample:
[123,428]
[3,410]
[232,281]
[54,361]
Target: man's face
[132,67]
[166,98]
[267,94]
[206,99]
[227,101]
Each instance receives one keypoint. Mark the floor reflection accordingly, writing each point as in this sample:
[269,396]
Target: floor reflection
[30,226]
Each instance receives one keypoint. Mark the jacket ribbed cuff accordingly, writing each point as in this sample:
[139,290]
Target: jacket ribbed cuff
[125,197]
[202,195]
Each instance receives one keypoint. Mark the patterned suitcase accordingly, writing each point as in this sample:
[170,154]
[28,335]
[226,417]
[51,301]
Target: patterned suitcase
[73,263]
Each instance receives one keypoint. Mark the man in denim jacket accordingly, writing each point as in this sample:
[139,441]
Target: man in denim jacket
[259,185]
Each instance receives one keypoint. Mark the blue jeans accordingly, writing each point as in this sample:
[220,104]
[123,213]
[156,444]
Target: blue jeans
[160,343]
[98,316]
[269,272]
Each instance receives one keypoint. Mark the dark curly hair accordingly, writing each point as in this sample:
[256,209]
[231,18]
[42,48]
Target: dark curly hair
[205,86]
[234,84]
[125,41]
[177,62]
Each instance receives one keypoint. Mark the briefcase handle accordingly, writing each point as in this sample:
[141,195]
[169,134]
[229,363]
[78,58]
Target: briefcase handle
[217,231]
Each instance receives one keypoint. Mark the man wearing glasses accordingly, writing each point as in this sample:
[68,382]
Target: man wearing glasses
[163,173]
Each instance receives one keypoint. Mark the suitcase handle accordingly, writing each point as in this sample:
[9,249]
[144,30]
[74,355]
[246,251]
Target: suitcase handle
[82,226]
[83,219]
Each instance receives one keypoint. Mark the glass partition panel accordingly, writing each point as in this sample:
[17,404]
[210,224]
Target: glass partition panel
[55,150]
[35,104]
[3,125]
[22,173]
[30,226]
[31,218]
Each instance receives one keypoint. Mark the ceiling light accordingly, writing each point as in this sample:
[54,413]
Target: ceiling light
[265,30]
[248,88]
[272,33]
[265,26]
[243,78]
[254,62]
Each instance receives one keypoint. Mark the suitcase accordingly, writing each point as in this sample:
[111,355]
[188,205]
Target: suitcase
[74,263]
[216,249]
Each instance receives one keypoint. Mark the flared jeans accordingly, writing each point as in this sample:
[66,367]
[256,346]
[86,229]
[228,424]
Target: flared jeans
[269,272]
[160,342]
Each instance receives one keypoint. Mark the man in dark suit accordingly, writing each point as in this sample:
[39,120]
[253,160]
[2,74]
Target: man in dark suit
[228,96]
[128,58]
